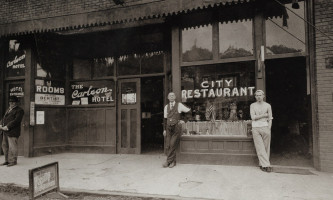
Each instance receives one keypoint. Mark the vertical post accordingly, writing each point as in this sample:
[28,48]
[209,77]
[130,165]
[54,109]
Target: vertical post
[27,131]
[259,40]
[2,69]
[175,54]
[311,65]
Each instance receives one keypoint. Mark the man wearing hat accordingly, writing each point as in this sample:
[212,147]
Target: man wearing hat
[261,115]
[10,128]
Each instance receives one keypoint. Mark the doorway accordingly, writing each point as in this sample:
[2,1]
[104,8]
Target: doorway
[286,88]
[152,141]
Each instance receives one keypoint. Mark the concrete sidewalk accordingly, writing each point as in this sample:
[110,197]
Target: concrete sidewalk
[143,175]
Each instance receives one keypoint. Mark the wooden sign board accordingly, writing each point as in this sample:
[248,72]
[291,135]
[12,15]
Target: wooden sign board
[43,180]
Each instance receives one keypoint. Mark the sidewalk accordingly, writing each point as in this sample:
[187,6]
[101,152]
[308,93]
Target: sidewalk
[143,175]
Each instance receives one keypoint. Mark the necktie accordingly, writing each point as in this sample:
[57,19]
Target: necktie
[171,106]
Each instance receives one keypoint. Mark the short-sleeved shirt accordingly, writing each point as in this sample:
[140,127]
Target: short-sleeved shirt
[259,109]
[181,108]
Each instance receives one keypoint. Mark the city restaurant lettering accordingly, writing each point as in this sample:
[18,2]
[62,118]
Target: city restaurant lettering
[212,89]
[78,93]
[15,63]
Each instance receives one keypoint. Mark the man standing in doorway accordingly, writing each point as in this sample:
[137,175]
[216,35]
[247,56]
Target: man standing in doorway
[10,130]
[261,115]
[172,127]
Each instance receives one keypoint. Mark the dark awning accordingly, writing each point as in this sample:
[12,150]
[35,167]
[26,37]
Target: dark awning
[133,11]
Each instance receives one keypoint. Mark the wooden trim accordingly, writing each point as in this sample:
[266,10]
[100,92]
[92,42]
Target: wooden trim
[216,137]
[226,60]
[17,78]
[91,106]
[286,55]
[140,75]
[111,27]
[259,27]
[313,88]
[175,68]
[28,90]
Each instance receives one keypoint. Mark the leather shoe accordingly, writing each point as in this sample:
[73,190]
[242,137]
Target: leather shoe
[5,163]
[11,164]
[172,165]
[166,164]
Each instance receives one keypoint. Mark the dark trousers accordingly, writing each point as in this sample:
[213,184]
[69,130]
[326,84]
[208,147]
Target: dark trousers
[172,140]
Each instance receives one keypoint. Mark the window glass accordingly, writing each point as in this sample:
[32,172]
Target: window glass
[219,95]
[197,43]
[235,39]
[103,67]
[92,92]
[286,33]
[129,64]
[128,93]
[81,69]
[152,62]
[16,59]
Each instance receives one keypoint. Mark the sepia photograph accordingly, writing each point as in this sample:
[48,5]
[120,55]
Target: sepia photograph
[166,99]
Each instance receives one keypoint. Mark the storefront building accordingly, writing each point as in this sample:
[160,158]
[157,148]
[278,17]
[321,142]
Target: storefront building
[93,76]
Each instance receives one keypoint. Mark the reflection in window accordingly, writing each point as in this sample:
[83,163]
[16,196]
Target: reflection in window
[235,39]
[129,64]
[197,44]
[103,67]
[81,69]
[278,40]
[219,97]
[152,62]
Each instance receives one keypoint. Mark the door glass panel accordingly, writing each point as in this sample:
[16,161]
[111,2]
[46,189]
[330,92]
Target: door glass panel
[235,39]
[197,44]
[17,89]
[123,128]
[128,93]
[16,59]
[286,33]
[133,128]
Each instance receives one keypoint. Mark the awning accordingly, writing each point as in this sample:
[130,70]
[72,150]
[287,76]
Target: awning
[133,11]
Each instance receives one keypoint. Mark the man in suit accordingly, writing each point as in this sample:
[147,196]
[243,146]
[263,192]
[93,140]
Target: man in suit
[172,127]
[10,130]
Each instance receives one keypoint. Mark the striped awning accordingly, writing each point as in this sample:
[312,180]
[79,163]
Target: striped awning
[132,11]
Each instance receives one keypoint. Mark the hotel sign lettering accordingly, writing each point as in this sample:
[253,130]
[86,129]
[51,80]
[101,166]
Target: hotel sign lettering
[93,92]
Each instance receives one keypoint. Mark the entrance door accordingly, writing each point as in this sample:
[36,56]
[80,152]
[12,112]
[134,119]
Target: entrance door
[129,116]
[16,88]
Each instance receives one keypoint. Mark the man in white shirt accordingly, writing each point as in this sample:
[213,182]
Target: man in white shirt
[172,128]
[261,115]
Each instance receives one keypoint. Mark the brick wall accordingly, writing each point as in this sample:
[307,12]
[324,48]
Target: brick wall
[323,10]
[22,10]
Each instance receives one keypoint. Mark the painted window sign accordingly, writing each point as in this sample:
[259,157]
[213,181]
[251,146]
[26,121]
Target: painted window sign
[92,92]
[16,90]
[49,92]
[15,65]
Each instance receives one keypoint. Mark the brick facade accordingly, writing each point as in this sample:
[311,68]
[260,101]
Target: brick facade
[323,11]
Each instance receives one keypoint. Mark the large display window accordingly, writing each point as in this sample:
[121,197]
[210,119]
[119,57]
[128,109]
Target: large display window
[219,96]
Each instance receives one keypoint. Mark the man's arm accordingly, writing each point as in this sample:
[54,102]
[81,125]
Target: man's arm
[255,117]
[16,122]
[270,116]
